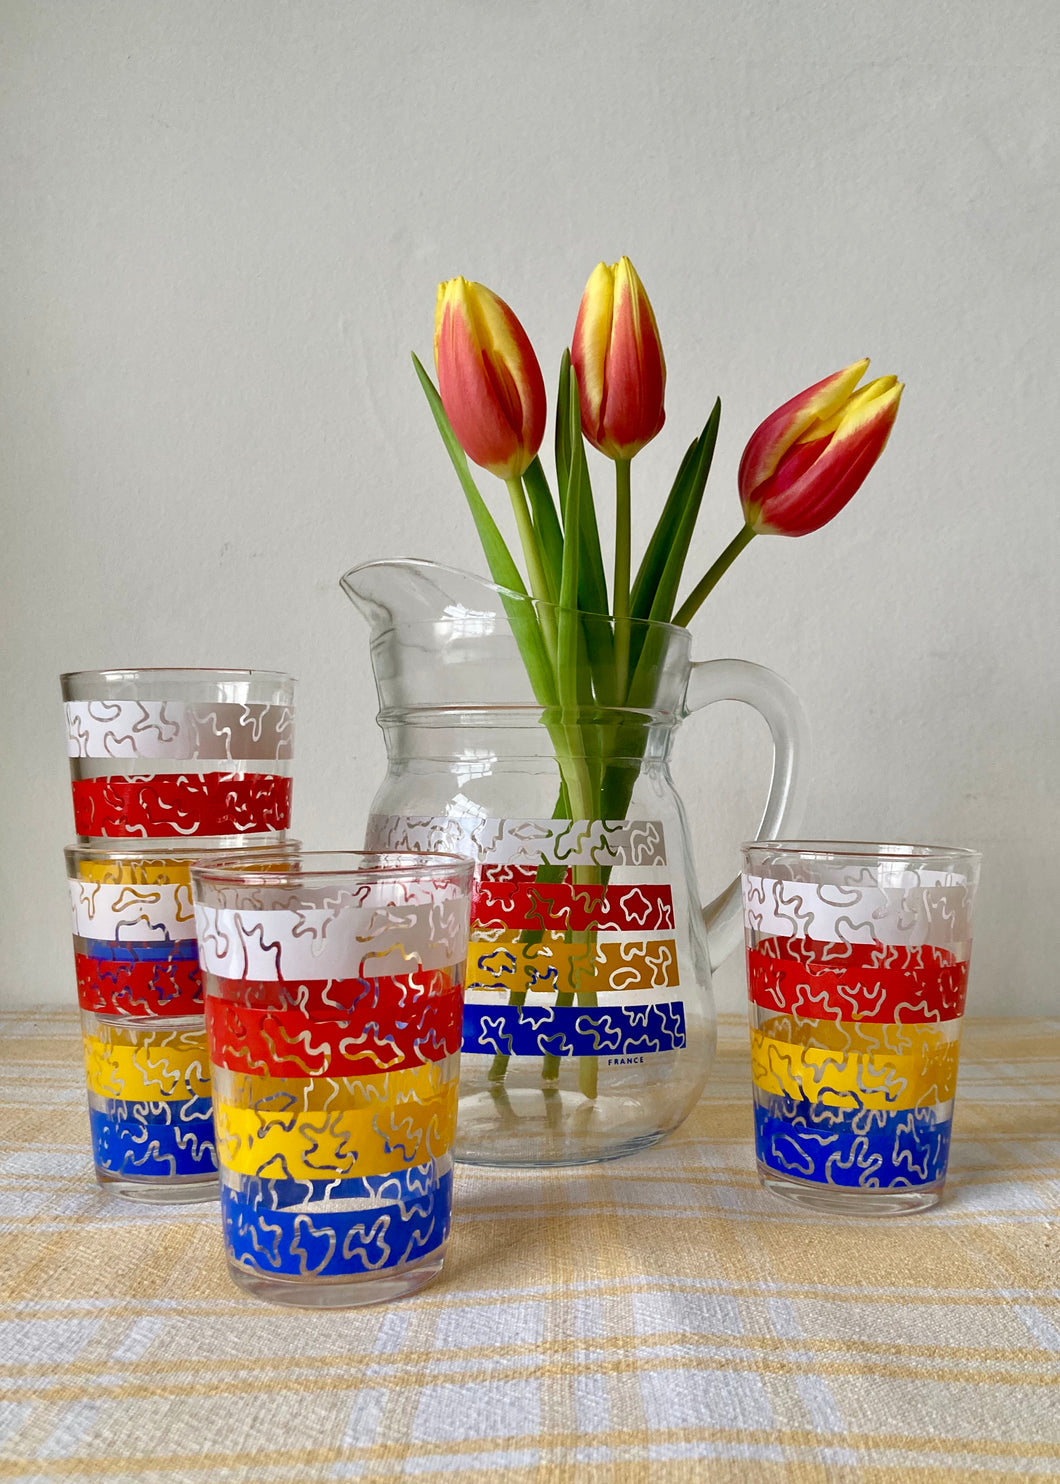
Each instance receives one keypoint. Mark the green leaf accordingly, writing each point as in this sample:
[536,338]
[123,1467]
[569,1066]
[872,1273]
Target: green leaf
[651,567]
[499,559]
[666,591]
[592,584]
[563,444]
[592,581]
[569,623]
[657,595]
[501,564]
[546,521]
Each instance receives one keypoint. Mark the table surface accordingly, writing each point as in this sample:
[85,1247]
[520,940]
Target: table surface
[656,1318]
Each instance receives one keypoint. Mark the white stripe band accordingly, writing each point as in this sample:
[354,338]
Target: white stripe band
[346,942]
[133,914]
[179,729]
[939,915]
[525,842]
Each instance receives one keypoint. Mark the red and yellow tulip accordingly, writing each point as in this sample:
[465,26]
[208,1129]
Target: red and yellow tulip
[809,457]
[592,680]
[618,358]
[489,379]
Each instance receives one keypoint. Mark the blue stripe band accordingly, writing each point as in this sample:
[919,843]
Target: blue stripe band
[167,950]
[319,1243]
[408,1186]
[865,1147]
[573,1030]
[156,1139]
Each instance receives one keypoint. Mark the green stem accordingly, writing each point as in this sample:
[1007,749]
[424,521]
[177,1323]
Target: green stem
[499,1064]
[621,587]
[550,1064]
[587,1065]
[540,584]
[711,579]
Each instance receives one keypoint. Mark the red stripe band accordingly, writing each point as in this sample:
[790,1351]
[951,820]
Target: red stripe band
[182,804]
[385,1037]
[856,981]
[136,987]
[565,907]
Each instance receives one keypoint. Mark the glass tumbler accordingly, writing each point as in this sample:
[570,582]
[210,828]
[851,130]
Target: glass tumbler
[857,969]
[140,995]
[168,754]
[334,997]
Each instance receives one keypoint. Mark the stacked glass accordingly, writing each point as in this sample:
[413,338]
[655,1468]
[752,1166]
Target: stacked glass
[167,767]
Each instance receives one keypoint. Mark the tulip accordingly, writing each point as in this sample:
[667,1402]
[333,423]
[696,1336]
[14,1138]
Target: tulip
[488,378]
[618,358]
[805,462]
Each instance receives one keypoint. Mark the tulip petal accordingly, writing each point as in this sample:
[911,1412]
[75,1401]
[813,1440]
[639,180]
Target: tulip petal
[617,357]
[489,379]
[771,439]
[814,482]
[863,395]
[636,371]
[588,352]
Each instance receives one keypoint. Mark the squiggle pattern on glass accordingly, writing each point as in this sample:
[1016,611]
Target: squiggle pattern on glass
[540,948]
[160,804]
[135,952]
[178,729]
[334,1019]
[857,992]
[149,1098]
[220,768]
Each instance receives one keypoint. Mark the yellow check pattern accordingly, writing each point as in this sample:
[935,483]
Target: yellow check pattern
[648,1321]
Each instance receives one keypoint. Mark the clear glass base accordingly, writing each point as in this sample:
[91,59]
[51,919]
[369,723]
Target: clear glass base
[839,1200]
[534,1128]
[338,1293]
[163,1190]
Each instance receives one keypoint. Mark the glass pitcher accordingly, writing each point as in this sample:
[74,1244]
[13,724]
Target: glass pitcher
[589,1025]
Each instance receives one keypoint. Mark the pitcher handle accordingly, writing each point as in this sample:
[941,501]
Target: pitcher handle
[780,707]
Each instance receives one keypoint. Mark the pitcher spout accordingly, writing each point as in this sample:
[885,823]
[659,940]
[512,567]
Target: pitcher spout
[391,594]
[441,638]
[445,638]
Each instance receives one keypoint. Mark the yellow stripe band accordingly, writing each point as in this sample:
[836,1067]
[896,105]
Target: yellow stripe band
[147,1066]
[841,1079]
[924,1040]
[147,872]
[326,1127]
[555,964]
[248,1090]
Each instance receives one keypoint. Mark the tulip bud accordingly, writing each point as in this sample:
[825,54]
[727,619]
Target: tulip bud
[806,461]
[488,378]
[618,358]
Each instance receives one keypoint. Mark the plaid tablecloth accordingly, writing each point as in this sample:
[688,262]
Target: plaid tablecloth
[658,1318]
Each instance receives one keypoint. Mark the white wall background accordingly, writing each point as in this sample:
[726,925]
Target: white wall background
[222,229]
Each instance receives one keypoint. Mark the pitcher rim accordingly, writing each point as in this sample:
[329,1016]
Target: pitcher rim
[504,592]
